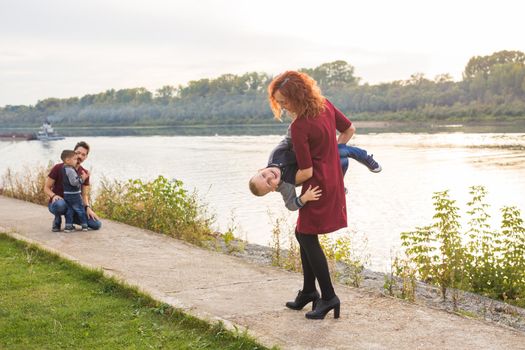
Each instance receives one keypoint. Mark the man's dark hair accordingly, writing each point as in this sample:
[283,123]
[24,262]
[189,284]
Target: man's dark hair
[66,154]
[82,144]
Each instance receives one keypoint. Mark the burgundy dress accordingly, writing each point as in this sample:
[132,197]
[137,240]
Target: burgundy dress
[315,143]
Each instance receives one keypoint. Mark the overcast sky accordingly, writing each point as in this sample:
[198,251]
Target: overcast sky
[64,48]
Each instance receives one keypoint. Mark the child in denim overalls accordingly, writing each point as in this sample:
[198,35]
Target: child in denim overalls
[72,190]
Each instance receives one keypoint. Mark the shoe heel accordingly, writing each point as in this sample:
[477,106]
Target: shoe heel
[337,310]
[314,303]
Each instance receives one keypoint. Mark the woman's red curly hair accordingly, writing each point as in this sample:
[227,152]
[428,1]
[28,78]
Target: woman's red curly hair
[301,92]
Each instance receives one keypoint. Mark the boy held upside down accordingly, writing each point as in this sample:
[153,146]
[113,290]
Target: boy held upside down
[279,175]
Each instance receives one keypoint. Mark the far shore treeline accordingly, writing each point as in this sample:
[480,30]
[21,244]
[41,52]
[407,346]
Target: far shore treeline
[492,89]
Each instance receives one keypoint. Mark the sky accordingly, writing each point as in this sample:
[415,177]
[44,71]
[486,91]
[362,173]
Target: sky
[66,48]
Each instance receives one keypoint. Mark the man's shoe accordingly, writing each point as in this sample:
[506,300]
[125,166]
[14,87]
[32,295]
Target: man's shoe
[302,299]
[68,229]
[57,222]
[371,164]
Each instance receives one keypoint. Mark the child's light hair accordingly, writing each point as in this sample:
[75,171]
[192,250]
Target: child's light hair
[253,187]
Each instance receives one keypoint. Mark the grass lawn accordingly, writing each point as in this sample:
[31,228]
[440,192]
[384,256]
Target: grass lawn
[47,302]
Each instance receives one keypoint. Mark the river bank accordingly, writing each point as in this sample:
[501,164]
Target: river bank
[274,128]
[467,304]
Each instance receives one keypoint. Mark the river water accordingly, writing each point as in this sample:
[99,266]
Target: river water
[380,206]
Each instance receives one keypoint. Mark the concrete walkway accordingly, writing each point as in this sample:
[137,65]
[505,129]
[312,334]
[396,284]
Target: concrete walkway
[215,286]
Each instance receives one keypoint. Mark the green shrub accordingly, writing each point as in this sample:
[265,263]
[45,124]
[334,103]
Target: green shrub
[232,244]
[480,259]
[160,205]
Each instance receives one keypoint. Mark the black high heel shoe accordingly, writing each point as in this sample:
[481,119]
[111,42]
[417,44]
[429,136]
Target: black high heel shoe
[302,299]
[323,307]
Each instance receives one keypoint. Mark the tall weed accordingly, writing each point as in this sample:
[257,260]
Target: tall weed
[283,235]
[26,184]
[346,264]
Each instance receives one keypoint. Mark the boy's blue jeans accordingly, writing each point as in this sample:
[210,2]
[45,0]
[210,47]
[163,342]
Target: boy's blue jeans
[346,152]
[59,208]
[74,206]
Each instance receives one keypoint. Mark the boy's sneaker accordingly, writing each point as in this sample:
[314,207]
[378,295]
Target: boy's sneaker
[371,164]
[85,228]
[55,228]
[68,229]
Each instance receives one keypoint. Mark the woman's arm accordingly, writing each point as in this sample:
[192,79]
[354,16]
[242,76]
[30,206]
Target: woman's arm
[343,125]
[346,135]
[302,152]
[303,174]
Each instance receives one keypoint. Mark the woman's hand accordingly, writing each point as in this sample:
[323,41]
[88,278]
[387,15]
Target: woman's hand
[311,194]
[346,135]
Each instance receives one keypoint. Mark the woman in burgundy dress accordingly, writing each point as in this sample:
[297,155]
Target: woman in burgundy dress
[314,140]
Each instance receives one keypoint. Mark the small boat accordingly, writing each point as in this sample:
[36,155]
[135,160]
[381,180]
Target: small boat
[47,133]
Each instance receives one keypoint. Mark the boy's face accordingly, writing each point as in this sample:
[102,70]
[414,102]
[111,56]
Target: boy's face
[267,179]
[71,161]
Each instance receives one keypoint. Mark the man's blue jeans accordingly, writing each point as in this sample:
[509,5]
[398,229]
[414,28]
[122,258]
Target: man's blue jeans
[346,152]
[59,208]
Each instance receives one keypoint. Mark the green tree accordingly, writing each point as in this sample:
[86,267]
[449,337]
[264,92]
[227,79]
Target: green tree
[165,94]
[333,74]
[483,65]
[49,104]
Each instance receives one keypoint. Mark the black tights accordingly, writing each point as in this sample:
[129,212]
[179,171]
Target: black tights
[314,266]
